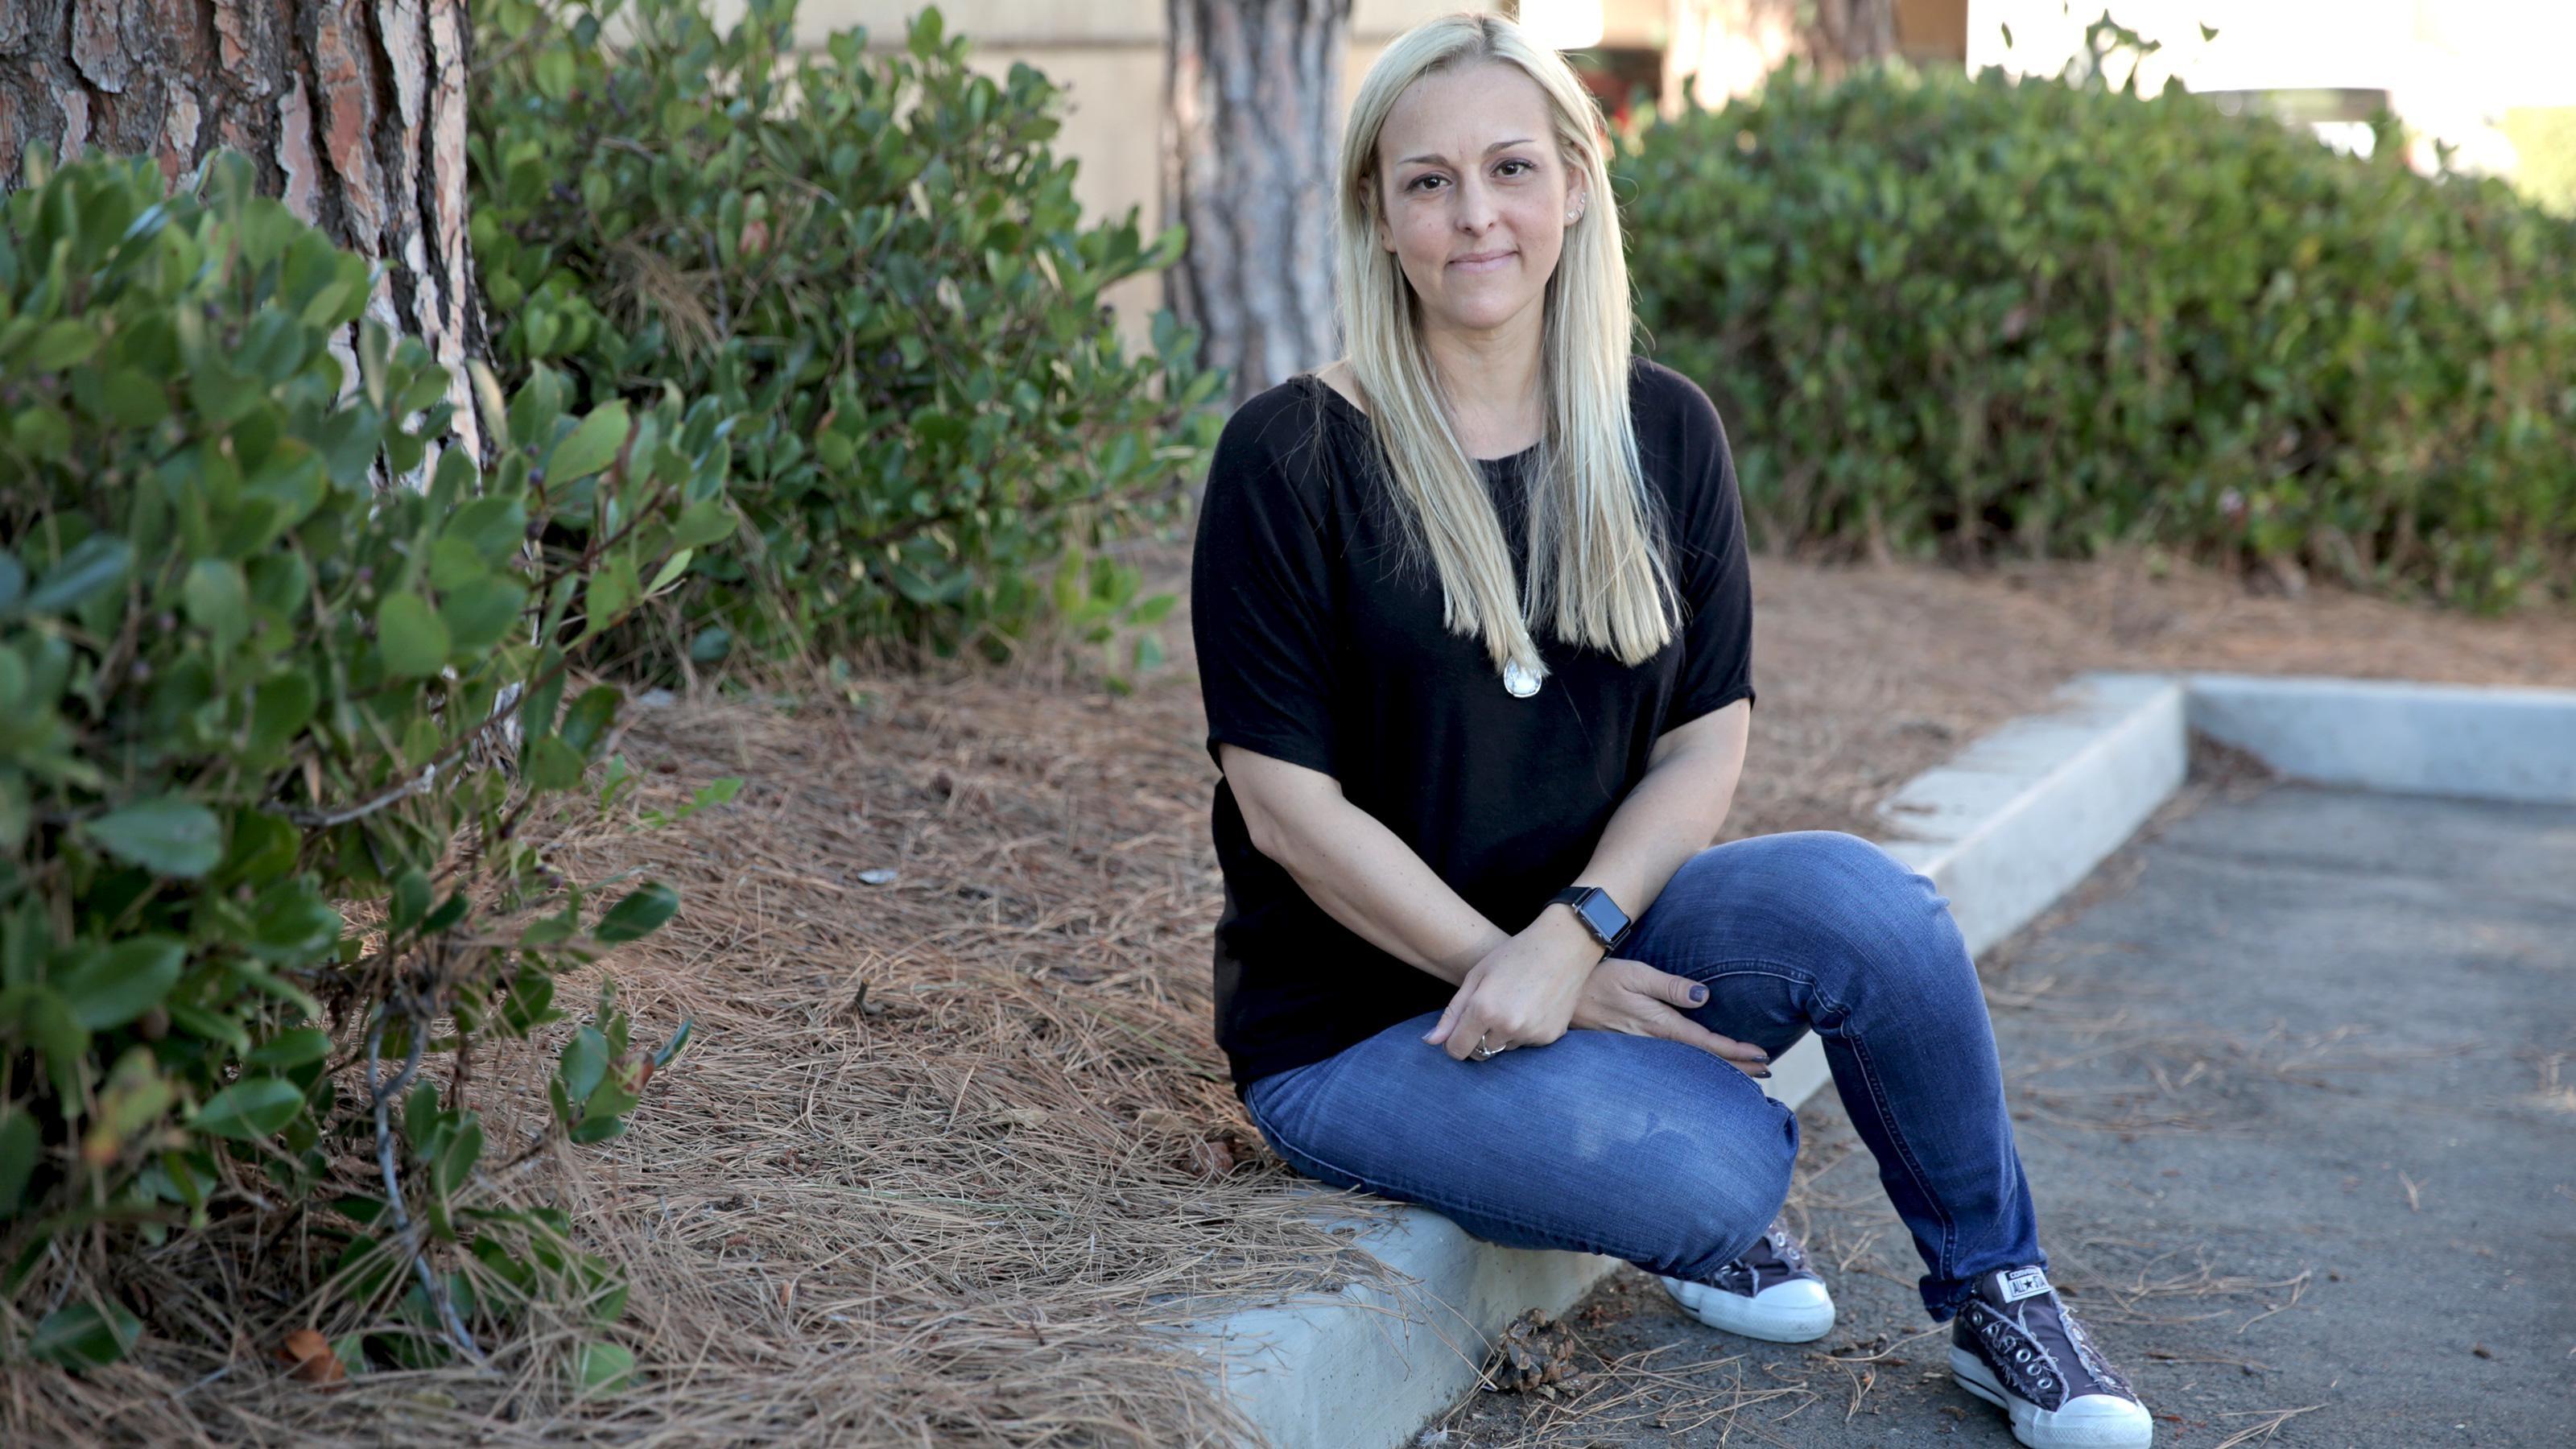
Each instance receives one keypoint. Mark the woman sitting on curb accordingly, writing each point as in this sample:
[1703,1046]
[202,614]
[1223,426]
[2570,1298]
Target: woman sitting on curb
[1477,951]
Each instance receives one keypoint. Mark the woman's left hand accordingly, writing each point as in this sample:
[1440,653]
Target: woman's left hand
[1522,994]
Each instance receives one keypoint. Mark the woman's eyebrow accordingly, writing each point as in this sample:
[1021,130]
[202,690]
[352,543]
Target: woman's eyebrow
[1443,160]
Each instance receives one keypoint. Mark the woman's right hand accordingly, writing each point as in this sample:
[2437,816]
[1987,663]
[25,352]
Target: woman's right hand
[1631,996]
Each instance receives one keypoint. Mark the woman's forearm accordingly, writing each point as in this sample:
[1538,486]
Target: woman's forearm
[1364,876]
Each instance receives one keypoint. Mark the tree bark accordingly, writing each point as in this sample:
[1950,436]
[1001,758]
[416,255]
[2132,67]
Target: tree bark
[1250,133]
[1733,44]
[1845,34]
[353,111]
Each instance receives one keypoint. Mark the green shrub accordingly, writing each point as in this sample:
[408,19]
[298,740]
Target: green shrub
[241,693]
[1983,315]
[877,264]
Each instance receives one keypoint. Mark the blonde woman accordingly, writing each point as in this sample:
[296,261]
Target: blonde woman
[1474,631]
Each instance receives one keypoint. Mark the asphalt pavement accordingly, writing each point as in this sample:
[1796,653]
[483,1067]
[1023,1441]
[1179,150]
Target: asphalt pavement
[2294,1080]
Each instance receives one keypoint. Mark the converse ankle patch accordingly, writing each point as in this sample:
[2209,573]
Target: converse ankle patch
[2021,1283]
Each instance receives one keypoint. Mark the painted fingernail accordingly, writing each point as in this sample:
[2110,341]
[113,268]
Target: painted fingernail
[1761,1056]
[1699,994]
[1762,1074]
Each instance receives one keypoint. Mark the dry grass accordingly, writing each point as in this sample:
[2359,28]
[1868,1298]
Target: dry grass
[954,1152]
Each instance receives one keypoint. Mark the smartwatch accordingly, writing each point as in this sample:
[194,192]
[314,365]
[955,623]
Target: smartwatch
[1600,914]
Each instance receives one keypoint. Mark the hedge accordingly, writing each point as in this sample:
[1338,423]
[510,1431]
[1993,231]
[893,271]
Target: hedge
[1967,316]
[263,850]
[875,263]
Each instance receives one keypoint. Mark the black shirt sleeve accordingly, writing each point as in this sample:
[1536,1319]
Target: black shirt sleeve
[1715,582]
[1260,599]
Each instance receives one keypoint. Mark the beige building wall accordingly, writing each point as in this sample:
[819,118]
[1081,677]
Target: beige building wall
[1107,56]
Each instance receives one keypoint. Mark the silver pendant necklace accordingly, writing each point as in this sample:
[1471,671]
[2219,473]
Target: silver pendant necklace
[1520,682]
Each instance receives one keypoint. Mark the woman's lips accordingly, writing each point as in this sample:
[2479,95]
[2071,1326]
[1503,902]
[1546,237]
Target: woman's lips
[1489,264]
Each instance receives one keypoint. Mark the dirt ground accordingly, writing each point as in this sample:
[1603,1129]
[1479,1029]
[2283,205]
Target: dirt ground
[954,1139]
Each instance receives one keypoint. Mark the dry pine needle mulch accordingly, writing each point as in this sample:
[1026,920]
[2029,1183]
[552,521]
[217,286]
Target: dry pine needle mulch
[954,1151]
[948,1160]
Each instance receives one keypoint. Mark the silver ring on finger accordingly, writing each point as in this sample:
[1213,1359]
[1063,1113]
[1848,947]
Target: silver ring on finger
[1485,1053]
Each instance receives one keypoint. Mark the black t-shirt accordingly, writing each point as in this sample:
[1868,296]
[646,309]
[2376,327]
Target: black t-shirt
[1314,647]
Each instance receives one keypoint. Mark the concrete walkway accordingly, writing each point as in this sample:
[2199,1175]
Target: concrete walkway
[2293,1084]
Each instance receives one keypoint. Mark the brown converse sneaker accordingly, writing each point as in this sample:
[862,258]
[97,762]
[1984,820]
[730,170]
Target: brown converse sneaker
[1769,1293]
[2017,1346]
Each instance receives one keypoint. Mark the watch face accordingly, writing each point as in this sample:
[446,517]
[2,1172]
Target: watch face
[1605,917]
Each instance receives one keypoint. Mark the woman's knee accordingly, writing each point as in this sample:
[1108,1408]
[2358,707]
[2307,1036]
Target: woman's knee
[1726,1200]
[1877,913]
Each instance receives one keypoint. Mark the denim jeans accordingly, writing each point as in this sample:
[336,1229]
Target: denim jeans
[1657,1152]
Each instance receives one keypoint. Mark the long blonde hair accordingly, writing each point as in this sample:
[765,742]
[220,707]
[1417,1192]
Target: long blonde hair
[1592,520]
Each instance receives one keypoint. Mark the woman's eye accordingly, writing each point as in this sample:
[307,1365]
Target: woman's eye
[1516,161]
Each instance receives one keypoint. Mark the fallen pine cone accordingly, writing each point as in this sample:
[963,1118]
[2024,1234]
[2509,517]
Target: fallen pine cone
[1213,1159]
[1533,1351]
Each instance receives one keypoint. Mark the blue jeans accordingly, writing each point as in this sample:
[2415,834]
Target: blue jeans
[1657,1152]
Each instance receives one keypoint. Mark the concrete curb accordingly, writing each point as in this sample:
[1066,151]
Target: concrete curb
[2003,830]
[2020,816]
[2407,739]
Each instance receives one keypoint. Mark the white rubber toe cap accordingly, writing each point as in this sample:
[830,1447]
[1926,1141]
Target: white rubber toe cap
[2090,1421]
[2094,1420]
[1793,1312]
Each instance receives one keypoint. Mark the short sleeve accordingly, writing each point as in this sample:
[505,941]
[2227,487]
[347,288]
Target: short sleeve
[1712,571]
[1260,610]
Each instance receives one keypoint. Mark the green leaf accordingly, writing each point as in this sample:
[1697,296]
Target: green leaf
[168,836]
[553,765]
[83,1335]
[584,1062]
[455,1163]
[218,598]
[414,639]
[604,1368]
[494,527]
[93,564]
[47,1020]
[251,1109]
[279,711]
[114,985]
[64,344]
[197,1021]
[20,1145]
[704,523]
[609,592]
[411,898]
[589,447]
[587,722]
[596,1129]
[291,922]
[638,916]
[292,1048]
[480,613]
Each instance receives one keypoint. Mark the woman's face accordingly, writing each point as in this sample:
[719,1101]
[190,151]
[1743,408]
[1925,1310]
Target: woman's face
[1472,197]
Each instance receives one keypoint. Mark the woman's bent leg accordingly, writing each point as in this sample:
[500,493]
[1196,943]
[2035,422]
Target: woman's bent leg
[1821,930]
[1637,1147]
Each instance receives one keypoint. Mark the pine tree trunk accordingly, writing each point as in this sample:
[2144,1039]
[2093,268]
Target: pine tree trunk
[1733,44]
[1251,127]
[353,111]
[1844,34]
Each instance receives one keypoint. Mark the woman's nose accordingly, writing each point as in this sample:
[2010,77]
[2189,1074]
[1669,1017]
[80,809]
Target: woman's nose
[1476,208]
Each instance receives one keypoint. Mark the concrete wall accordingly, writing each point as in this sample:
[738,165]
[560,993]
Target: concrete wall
[1107,56]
